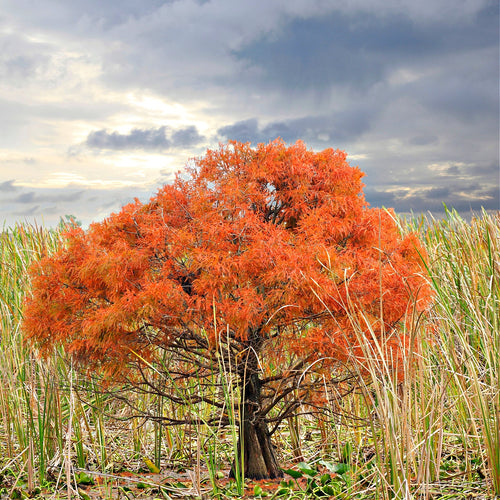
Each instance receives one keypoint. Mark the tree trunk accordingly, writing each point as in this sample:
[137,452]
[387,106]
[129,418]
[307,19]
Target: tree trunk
[259,459]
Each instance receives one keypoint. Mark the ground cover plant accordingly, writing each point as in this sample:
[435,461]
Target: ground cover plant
[429,429]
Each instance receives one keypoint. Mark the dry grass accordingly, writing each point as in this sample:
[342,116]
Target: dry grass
[432,432]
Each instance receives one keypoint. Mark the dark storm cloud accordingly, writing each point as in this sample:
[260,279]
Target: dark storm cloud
[489,170]
[438,193]
[135,139]
[250,131]
[424,139]
[461,194]
[188,136]
[359,49]
[418,204]
[465,89]
[338,128]
[312,53]
[161,138]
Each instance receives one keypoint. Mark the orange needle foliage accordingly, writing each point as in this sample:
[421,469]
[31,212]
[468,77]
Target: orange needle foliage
[247,245]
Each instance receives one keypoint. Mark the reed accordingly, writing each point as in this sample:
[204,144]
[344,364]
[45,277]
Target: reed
[465,272]
[445,400]
[430,428]
[50,415]
[31,412]
[427,423]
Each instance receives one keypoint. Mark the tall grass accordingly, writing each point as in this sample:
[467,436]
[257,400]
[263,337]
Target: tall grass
[51,418]
[432,430]
[31,429]
[435,422]
[465,273]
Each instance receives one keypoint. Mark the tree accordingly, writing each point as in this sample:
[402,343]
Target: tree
[254,257]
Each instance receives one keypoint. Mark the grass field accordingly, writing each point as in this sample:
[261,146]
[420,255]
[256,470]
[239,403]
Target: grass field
[433,434]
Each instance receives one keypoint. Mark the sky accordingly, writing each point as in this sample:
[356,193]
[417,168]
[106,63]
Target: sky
[104,101]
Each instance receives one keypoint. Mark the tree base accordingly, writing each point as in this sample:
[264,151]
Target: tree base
[259,458]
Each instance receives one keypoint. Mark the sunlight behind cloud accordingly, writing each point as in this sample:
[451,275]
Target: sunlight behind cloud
[143,161]
[357,157]
[443,168]
[156,106]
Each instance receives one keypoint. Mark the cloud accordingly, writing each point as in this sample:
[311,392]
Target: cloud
[359,49]
[161,138]
[424,139]
[185,137]
[337,128]
[243,131]
[135,139]
[8,186]
[438,193]
[458,186]
[21,59]
[26,198]
[422,201]
[47,205]
[401,85]
[47,196]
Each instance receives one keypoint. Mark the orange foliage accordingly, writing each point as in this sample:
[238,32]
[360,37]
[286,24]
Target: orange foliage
[272,240]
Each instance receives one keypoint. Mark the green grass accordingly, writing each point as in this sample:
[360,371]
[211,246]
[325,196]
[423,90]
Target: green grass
[434,432]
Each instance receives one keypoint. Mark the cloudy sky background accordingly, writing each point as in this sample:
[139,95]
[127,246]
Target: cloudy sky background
[103,101]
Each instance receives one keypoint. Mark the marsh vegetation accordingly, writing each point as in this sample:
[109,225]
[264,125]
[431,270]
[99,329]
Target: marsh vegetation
[433,431]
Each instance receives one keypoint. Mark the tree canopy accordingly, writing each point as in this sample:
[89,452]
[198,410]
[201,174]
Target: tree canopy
[247,248]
